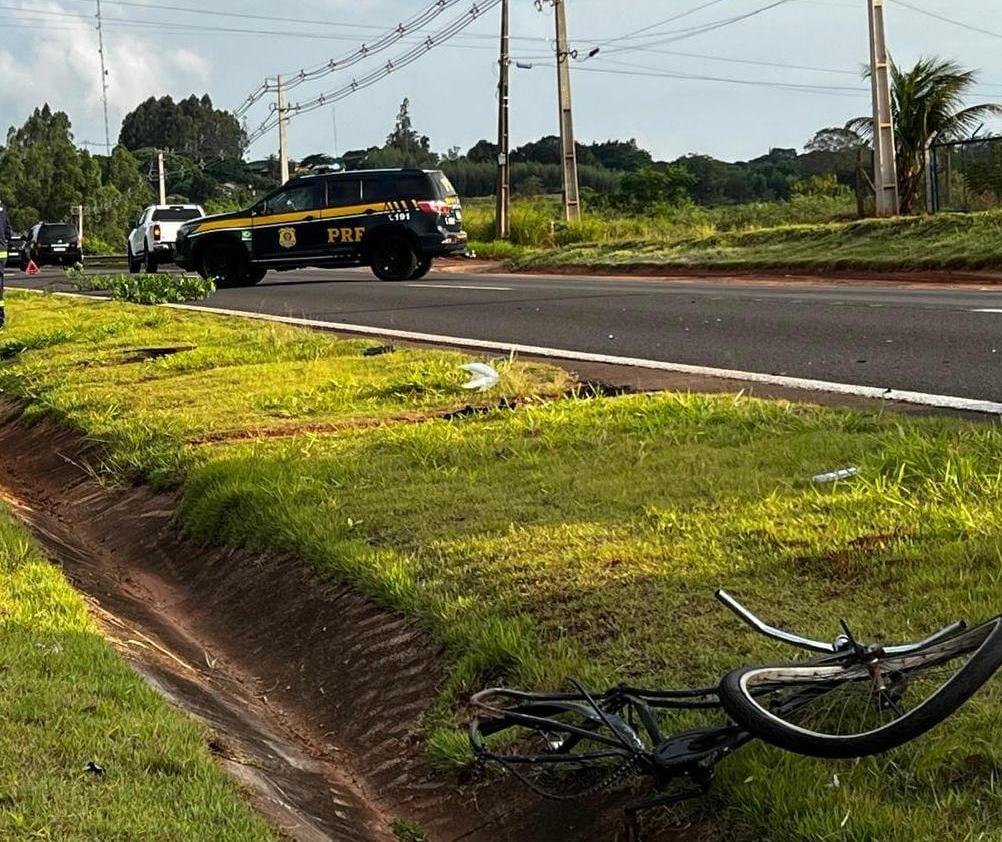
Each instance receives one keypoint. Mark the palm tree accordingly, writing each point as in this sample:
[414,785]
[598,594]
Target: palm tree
[928,107]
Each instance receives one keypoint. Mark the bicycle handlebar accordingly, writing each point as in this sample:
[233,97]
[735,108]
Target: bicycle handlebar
[770,631]
[816,645]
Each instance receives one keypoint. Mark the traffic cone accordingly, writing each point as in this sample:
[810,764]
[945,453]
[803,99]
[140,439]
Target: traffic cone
[31,268]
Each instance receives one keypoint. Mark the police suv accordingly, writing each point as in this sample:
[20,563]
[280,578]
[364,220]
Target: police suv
[395,221]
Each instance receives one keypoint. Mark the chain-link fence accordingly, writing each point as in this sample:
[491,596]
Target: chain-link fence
[967,175]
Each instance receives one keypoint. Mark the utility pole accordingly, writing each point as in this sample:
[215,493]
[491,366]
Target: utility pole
[80,222]
[568,151]
[503,213]
[104,78]
[161,180]
[885,169]
[283,138]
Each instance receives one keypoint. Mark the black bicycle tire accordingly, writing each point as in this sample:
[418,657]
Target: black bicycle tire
[743,708]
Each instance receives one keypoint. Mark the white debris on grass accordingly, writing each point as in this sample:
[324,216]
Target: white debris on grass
[486,377]
[835,476]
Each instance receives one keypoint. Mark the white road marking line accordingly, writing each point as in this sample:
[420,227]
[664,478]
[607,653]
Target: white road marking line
[874,392]
[459,286]
[987,310]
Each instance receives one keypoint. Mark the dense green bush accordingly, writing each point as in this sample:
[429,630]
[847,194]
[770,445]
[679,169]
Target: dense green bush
[160,288]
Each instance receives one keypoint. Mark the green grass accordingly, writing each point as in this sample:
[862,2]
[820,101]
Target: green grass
[744,238]
[538,222]
[67,700]
[584,536]
[241,377]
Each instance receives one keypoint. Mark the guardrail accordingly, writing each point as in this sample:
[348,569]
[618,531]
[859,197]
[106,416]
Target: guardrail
[115,260]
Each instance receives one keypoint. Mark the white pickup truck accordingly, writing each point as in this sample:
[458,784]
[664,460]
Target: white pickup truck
[151,241]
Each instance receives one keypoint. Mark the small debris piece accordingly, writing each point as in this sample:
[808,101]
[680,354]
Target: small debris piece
[835,476]
[485,377]
[93,768]
[378,350]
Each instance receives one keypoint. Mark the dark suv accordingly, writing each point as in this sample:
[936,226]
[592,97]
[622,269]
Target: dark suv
[15,257]
[395,221]
[52,243]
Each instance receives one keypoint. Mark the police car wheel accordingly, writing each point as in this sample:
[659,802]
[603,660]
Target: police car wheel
[394,258]
[423,268]
[150,264]
[224,264]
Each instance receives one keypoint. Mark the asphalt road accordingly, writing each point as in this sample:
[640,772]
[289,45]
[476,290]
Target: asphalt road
[933,340]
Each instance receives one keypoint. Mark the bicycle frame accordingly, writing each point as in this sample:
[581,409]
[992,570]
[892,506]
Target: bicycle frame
[633,733]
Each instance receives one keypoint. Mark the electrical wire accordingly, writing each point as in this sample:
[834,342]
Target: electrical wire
[693,31]
[655,72]
[945,19]
[390,38]
[431,42]
[660,23]
[757,63]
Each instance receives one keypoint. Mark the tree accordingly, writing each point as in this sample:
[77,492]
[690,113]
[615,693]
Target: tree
[43,176]
[620,155]
[44,171]
[191,127]
[650,189]
[546,150]
[484,152]
[405,147]
[834,139]
[928,106]
[318,160]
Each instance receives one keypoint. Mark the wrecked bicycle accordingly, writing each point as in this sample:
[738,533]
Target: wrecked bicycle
[854,700]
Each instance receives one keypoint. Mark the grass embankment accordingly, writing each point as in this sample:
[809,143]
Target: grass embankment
[756,238]
[579,536]
[67,701]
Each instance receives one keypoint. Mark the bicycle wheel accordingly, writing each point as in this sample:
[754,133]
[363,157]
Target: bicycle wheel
[856,707]
[560,749]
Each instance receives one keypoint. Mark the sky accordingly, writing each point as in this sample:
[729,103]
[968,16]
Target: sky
[769,79]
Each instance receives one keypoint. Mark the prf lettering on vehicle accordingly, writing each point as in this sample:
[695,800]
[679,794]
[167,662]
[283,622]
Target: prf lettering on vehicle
[395,221]
[345,235]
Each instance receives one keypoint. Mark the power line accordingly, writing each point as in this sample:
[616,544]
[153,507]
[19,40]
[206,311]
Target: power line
[945,19]
[640,70]
[693,31]
[731,60]
[365,51]
[671,19]
[442,36]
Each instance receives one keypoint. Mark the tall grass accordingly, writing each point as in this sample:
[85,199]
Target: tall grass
[537,222]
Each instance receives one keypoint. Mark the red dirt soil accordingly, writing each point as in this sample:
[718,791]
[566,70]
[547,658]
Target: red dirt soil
[314,694]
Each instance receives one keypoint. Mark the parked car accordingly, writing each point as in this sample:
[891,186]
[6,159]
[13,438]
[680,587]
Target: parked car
[52,243]
[151,241]
[14,252]
[395,221]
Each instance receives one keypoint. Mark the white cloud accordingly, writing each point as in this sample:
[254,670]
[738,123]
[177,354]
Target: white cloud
[60,65]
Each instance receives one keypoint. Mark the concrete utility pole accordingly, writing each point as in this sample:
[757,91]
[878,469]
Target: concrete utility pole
[80,222]
[503,212]
[885,169]
[283,138]
[161,180]
[568,153]
[104,78]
